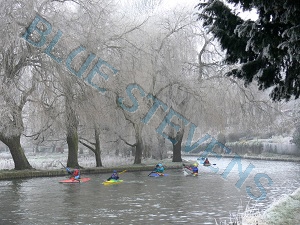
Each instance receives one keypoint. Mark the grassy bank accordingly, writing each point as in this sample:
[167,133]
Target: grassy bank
[49,165]
[20,174]
[285,211]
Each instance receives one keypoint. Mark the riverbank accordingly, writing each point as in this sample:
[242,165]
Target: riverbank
[263,156]
[21,174]
[47,165]
[285,211]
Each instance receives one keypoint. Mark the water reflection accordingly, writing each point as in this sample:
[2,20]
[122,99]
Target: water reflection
[11,197]
[140,199]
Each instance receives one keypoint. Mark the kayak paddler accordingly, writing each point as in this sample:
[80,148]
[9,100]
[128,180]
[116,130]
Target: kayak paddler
[195,169]
[114,176]
[206,161]
[75,174]
[159,169]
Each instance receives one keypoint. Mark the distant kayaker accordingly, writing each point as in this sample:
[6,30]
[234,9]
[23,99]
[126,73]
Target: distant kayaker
[206,161]
[114,176]
[75,174]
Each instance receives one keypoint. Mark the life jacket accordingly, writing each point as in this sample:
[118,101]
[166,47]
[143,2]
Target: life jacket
[115,176]
[195,169]
[160,169]
[76,172]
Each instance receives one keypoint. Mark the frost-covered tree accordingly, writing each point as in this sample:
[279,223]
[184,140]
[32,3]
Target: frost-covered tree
[17,81]
[296,136]
[156,66]
[266,49]
[86,34]
[24,69]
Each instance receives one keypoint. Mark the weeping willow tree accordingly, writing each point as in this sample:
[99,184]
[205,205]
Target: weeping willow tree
[18,81]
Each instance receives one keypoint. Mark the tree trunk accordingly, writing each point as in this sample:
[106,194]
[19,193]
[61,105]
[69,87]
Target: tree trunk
[17,153]
[97,148]
[177,147]
[161,147]
[72,127]
[138,152]
[72,140]
[139,143]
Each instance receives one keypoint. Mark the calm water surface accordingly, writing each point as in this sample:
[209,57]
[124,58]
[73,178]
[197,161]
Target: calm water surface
[140,199]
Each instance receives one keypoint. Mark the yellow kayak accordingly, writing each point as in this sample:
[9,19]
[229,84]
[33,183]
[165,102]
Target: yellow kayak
[112,181]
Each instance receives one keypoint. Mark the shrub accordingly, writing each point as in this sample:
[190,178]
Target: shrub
[233,137]
[296,136]
[221,138]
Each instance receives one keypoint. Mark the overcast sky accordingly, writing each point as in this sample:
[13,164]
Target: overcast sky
[171,4]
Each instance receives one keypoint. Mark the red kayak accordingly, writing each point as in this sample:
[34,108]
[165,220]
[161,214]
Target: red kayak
[81,180]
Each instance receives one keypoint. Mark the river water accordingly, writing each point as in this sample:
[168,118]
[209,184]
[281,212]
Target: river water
[174,199]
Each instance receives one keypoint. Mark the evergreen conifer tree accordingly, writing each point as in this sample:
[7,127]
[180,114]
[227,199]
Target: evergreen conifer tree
[267,50]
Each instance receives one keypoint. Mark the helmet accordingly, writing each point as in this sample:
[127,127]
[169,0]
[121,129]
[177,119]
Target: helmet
[195,164]
[114,171]
[160,165]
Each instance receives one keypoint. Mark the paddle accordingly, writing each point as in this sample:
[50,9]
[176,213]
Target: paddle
[151,173]
[69,172]
[62,165]
[123,171]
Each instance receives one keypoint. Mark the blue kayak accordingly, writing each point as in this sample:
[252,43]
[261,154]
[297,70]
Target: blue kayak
[158,174]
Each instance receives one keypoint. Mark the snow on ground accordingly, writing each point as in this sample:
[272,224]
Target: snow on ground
[51,161]
[48,161]
[284,211]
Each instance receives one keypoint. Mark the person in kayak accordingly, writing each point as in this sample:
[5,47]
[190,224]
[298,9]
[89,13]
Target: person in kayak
[195,169]
[114,176]
[159,168]
[206,161]
[75,174]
